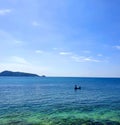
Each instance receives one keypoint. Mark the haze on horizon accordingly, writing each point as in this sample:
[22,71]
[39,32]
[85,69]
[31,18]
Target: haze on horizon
[60,37]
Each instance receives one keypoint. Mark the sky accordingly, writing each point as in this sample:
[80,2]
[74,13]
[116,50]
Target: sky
[61,37]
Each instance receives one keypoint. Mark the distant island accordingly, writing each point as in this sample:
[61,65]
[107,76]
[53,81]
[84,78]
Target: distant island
[11,73]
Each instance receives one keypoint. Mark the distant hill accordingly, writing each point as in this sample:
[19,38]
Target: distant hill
[10,73]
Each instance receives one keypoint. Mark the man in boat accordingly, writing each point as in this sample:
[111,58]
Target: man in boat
[77,87]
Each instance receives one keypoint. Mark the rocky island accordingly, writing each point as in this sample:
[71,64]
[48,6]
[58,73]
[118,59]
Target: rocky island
[11,73]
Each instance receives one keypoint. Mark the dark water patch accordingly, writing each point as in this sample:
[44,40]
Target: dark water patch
[16,122]
[62,121]
[70,121]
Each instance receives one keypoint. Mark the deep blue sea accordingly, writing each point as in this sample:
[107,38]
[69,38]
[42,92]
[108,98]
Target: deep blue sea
[53,101]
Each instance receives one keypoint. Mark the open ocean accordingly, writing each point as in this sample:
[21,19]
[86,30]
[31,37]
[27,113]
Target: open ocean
[53,101]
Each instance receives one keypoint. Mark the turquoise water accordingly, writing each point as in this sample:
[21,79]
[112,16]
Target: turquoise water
[53,101]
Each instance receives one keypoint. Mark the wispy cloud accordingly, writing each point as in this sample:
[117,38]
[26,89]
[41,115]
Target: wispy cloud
[86,51]
[60,49]
[19,60]
[100,55]
[35,23]
[10,40]
[84,59]
[78,58]
[55,48]
[18,42]
[117,47]
[39,51]
[5,11]
[65,53]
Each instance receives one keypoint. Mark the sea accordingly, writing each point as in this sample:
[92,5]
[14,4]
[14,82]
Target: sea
[53,101]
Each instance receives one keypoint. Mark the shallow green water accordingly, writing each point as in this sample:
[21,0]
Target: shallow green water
[53,101]
[61,118]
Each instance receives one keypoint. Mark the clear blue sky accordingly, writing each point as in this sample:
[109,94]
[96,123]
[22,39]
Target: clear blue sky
[60,37]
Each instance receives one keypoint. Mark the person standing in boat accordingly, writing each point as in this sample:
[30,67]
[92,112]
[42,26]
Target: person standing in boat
[77,87]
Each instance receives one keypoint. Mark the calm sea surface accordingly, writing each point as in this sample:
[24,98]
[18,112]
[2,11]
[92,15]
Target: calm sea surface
[53,101]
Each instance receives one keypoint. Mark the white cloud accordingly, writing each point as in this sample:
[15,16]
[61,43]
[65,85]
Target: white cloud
[99,55]
[89,59]
[35,23]
[19,60]
[5,35]
[78,58]
[84,59]
[18,42]
[117,47]
[39,51]
[65,53]
[86,51]
[58,48]
[5,11]
[9,40]
[55,48]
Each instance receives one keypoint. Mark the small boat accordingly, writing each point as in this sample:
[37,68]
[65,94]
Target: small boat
[77,87]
